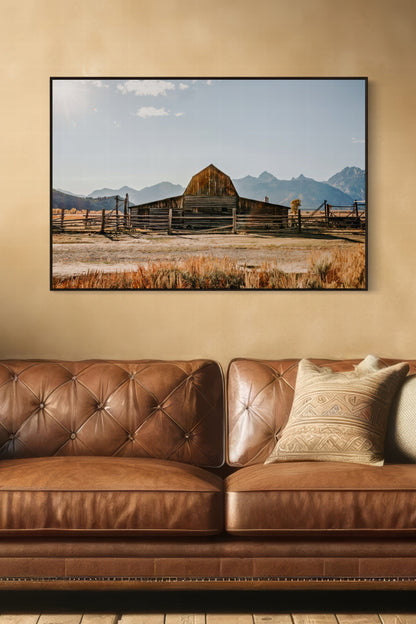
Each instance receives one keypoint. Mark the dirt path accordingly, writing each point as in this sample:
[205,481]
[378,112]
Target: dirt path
[79,253]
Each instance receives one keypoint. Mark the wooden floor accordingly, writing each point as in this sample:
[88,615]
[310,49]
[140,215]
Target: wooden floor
[214,618]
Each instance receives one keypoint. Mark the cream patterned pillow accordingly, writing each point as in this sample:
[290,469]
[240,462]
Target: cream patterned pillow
[339,416]
[400,444]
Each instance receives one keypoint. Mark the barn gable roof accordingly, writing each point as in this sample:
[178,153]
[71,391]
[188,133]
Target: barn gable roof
[211,182]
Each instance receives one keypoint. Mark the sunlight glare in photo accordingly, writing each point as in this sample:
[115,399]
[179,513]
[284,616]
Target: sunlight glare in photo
[70,97]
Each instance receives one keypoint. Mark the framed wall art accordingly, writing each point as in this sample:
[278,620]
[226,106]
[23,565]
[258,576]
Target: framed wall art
[208,183]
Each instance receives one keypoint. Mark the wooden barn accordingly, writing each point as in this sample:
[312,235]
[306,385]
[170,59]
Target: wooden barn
[209,193]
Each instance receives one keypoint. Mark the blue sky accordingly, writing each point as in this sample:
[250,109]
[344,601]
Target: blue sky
[111,133]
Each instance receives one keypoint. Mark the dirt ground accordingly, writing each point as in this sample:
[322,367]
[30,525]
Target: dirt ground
[73,254]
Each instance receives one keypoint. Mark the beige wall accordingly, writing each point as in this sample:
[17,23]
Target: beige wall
[42,38]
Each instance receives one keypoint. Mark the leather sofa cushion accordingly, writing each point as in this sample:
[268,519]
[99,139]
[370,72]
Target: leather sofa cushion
[260,397]
[122,408]
[108,496]
[313,497]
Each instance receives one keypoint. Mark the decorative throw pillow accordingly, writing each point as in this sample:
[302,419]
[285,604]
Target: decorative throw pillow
[339,416]
[400,444]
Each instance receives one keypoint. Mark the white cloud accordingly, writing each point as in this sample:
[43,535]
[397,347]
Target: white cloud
[99,83]
[183,86]
[151,111]
[358,140]
[146,87]
[179,114]
[95,83]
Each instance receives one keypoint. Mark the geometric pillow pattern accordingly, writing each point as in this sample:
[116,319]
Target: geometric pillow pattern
[339,416]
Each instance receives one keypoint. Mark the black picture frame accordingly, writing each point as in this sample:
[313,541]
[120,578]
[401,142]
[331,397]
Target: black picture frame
[211,205]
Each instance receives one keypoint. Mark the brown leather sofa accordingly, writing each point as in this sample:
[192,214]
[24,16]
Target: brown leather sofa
[112,476]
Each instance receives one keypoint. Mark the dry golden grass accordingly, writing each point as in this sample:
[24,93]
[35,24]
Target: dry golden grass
[68,211]
[338,269]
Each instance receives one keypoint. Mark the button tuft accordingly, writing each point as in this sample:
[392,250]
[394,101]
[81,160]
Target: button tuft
[73,435]
[41,405]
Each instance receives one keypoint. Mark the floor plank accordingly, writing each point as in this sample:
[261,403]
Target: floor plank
[220,618]
[403,618]
[189,618]
[143,618]
[214,618]
[314,618]
[268,618]
[358,618]
[60,618]
[99,618]
[20,618]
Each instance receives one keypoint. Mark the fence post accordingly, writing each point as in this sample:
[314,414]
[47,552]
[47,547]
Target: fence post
[234,221]
[326,213]
[86,218]
[299,220]
[62,218]
[102,221]
[170,221]
[126,212]
[117,222]
[356,208]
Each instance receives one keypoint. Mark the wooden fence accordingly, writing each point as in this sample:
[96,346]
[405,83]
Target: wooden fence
[184,224]
[100,221]
[172,221]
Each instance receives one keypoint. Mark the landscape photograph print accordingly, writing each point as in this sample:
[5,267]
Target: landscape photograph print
[208,184]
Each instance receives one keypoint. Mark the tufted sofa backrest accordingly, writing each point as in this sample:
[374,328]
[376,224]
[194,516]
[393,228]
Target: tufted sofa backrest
[260,396]
[143,408]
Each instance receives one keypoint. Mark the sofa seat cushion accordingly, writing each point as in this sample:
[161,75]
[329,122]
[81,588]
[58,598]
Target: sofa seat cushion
[108,496]
[315,497]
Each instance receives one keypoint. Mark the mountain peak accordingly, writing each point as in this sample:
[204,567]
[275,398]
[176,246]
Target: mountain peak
[355,170]
[350,180]
[266,177]
[311,192]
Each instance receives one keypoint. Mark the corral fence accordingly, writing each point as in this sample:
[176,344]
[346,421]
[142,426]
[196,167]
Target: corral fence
[99,221]
[351,217]
[174,221]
